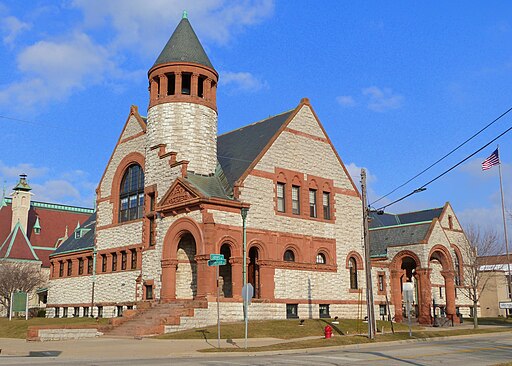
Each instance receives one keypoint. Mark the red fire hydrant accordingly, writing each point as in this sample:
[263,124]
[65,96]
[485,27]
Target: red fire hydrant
[328,331]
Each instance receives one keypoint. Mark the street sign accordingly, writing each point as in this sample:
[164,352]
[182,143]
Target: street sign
[505,304]
[220,262]
[215,257]
[247,293]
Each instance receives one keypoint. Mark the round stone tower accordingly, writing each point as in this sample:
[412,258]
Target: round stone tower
[182,109]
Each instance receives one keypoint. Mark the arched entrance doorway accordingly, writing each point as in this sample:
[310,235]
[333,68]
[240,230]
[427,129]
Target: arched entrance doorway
[186,272]
[253,271]
[226,272]
[409,275]
[442,270]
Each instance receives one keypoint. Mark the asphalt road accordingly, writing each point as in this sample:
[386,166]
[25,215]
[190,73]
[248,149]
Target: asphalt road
[488,349]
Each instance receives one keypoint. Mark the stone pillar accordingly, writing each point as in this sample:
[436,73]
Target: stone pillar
[425,295]
[153,90]
[163,85]
[396,294]
[205,276]
[267,285]
[177,84]
[194,85]
[207,86]
[213,94]
[236,277]
[449,281]
[168,284]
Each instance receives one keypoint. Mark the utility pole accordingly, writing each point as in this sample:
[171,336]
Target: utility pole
[367,265]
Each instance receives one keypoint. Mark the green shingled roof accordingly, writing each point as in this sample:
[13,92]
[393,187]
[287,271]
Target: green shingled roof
[183,46]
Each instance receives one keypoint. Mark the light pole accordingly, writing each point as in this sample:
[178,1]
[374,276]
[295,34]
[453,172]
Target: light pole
[244,212]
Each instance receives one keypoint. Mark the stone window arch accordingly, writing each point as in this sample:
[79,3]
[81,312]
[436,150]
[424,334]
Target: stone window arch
[289,256]
[131,194]
[321,258]
[352,266]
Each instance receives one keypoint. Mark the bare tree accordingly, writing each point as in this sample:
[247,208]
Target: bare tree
[18,276]
[482,243]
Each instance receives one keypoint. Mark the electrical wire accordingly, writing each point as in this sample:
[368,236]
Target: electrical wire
[445,156]
[423,187]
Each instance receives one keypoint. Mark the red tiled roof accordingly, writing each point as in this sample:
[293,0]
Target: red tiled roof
[53,220]
[17,246]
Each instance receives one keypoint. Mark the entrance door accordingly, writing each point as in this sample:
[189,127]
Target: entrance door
[186,273]
[226,273]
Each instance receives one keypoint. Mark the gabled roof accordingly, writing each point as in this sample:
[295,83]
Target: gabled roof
[83,241]
[388,219]
[212,186]
[17,246]
[53,219]
[184,46]
[237,150]
[382,238]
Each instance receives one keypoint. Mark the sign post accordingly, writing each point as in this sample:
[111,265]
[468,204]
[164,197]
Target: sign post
[408,291]
[247,294]
[217,260]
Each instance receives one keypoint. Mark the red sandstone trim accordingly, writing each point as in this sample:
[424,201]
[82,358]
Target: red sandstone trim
[142,133]
[307,135]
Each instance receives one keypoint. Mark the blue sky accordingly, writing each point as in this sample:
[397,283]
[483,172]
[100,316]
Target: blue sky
[395,84]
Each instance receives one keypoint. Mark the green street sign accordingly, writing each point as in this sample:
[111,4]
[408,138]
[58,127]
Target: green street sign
[215,257]
[220,262]
[19,301]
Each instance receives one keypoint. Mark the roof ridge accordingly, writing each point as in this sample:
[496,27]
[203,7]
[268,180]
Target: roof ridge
[401,225]
[257,122]
[57,206]
[427,209]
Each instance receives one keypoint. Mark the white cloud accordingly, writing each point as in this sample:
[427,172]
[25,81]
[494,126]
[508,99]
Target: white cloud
[11,27]
[147,25]
[11,172]
[54,69]
[242,81]
[346,101]
[355,172]
[382,99]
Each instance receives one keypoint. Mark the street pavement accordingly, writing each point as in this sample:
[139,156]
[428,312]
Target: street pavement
[486,349]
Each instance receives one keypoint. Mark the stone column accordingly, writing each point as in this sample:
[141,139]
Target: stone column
[237,277]
[449,281]
[206,280]
[168,284]
[207,86]
[267,276]
[163,85]
[425,295]
[213,94]
[153,90]
[396,294]
[177,84]
[194,85]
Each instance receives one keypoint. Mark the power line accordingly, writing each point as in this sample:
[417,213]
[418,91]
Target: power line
[444,157]
[423,187]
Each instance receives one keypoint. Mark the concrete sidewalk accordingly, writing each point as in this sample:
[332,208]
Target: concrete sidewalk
[117,348]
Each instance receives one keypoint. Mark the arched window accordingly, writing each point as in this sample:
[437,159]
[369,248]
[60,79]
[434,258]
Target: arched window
[352,266]
[289,256]
[320,258]
[457,270]
[131,195]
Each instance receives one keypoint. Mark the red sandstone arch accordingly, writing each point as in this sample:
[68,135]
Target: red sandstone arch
[459,256]
[296,251]
[262,248]
[445,258]
[234,246]
[179,228]
[357,257]
[328,257]
[396,262]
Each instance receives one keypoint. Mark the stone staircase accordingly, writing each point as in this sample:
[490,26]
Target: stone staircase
[151,318]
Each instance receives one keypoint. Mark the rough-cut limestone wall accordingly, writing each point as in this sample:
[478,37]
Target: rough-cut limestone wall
[112,287]
[305,122]
[114,237]
[188,129]
[294,152]
[445,219]
[151,259]
[186,273]
[123,149]
[132,128]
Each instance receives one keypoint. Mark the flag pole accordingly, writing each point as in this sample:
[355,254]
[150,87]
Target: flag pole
[505,228]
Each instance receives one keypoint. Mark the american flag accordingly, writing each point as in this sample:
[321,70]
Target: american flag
[492,160]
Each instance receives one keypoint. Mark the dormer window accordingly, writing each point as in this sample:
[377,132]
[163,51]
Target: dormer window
[37,226]
[78,234]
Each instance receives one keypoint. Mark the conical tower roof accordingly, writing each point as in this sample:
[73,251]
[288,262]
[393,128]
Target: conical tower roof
[184,46]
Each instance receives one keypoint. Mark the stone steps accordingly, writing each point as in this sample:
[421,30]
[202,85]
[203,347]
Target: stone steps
[152,318]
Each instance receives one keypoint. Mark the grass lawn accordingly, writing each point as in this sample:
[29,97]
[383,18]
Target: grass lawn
[344,340]
[491,321]
[17,328]
[282,329]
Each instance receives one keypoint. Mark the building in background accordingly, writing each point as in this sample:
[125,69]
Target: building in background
[30,231]
[494,286]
